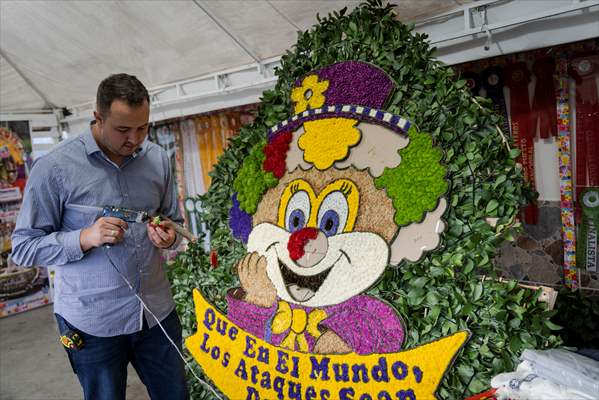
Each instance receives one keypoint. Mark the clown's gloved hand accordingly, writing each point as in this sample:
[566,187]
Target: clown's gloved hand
[258,287]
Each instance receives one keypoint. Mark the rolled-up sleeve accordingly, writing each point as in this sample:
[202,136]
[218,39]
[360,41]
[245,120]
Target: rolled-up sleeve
[37,239]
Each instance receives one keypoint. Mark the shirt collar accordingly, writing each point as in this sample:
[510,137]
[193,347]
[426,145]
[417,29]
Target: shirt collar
[89,142]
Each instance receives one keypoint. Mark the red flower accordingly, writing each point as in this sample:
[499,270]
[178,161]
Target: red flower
[276,154]
[213,259]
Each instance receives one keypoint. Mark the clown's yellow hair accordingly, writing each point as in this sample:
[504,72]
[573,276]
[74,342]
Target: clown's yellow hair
[328,140]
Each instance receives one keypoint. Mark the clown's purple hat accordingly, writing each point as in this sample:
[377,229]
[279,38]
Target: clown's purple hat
[350,89]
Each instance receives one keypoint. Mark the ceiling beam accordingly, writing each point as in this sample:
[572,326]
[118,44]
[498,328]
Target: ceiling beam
[283,15]
[49,104]
[227,31]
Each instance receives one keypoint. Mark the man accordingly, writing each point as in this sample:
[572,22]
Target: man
[60,225]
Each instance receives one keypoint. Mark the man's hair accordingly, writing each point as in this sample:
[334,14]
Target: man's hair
[120,87]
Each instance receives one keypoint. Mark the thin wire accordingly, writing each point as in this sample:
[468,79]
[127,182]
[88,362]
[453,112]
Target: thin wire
[558,286]
[202,382]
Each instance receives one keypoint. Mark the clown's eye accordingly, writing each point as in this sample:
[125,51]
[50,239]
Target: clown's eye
[297,212]
[332,215]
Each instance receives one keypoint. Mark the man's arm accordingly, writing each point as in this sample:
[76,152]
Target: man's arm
[37,239]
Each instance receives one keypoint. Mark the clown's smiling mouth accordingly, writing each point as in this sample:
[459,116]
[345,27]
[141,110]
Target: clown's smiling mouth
[302,288]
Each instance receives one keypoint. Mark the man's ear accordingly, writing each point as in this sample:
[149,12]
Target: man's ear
[414,240]
[99,119]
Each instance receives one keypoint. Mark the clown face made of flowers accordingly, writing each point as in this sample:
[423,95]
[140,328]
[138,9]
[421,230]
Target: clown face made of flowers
[336,194]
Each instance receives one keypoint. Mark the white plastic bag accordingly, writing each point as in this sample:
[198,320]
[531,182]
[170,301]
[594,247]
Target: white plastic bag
[565,368]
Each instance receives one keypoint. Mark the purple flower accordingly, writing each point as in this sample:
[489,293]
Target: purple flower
[240,222]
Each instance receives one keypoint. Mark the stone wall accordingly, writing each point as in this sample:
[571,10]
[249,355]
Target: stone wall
[537,255]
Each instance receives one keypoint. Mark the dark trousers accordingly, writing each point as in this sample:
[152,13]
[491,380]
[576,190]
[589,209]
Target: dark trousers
[101,365]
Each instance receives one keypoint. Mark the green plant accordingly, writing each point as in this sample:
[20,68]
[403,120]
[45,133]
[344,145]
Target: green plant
[578,313]
[446,291]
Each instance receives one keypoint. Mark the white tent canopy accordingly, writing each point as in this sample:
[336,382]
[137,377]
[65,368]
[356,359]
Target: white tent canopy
[54,53]
[202,55]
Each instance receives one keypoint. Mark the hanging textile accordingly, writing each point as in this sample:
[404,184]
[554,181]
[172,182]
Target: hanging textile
[200,140]
[168,137]
[204,136]
[584,70]
[165,138]
[544,114]
[194,181]
[217,138]
[565,174]
[230,124]
[517,78]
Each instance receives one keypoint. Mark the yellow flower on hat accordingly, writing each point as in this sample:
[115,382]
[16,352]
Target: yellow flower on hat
[310,94]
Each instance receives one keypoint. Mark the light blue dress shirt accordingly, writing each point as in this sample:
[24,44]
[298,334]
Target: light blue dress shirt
[63,188]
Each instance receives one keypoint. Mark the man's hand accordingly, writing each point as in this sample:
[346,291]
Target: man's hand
[255,281]
[162,235]
[106,230]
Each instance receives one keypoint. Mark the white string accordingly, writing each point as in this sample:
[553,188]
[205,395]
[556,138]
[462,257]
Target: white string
[202,382]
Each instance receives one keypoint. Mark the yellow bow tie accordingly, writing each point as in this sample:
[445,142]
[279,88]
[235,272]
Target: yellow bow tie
[297,322]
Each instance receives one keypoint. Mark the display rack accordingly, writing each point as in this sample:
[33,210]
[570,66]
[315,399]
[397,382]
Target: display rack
[21,289]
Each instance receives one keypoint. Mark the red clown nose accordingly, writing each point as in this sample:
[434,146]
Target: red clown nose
[298,240]
[307,246]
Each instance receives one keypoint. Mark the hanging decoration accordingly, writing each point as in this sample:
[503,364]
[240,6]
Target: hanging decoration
[544,114]
[473,82]
[565,172]
[492,81]
[517,78]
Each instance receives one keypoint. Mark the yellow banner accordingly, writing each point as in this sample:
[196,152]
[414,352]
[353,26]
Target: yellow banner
[243,366]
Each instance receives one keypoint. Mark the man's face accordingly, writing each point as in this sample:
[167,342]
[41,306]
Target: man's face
[124,128]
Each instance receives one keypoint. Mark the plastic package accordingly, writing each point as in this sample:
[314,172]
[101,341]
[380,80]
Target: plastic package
[555,374]
[523,384]
[566,368]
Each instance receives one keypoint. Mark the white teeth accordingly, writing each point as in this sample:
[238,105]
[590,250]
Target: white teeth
[299,293]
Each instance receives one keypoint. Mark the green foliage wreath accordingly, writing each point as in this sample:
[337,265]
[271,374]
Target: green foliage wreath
[449,289]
